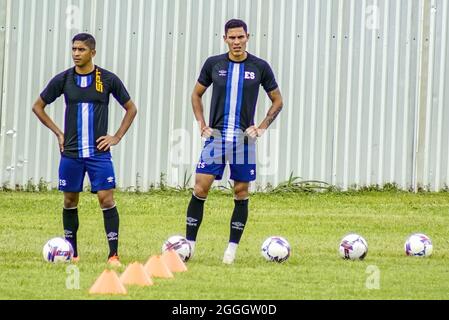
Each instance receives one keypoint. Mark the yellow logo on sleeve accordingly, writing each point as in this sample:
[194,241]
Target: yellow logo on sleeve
[98,82]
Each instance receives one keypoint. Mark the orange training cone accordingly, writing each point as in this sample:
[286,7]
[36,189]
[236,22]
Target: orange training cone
[156,267]
[108,283]
[173,261]
[135,274]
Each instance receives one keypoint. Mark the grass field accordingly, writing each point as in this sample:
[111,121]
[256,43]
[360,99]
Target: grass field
[313,224]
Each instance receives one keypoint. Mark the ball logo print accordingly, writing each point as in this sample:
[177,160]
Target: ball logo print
[418,245]
[57,250]
[275,248]
[353,247]
[180,245]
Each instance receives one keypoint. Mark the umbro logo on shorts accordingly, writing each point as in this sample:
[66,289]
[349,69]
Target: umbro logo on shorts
[110,179]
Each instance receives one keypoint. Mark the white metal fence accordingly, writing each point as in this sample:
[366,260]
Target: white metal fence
[364,83]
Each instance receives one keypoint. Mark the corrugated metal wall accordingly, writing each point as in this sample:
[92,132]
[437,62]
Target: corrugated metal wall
[364,83]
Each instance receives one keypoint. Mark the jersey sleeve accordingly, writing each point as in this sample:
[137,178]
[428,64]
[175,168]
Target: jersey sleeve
[205,77]
[268,80]
[54,89]
[119,91]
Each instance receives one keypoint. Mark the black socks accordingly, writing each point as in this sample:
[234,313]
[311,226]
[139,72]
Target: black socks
[111,226]
[194,217]
[238,220]
[70,223]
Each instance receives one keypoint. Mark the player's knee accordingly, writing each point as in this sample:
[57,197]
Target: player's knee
[106,202]
[70,203]
[201,191]
[241,192]
[241,195]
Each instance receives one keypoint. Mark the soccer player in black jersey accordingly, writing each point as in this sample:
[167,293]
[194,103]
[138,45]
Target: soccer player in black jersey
[85,143]
[236,77]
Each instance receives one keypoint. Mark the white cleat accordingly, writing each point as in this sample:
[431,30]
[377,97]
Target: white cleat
[228,257]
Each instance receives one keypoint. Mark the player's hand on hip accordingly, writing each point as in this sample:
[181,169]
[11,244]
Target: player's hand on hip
[60,137]
[254,132]
[207,132]
[106,142]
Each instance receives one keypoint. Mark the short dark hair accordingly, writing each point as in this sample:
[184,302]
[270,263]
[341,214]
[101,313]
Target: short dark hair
[235,23]
[87,38]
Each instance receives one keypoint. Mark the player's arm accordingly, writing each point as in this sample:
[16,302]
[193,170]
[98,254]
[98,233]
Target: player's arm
[198,109]
[105,142]
[39,111]
[276,107]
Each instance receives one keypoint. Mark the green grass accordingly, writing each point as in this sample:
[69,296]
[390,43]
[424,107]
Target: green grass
[313,224]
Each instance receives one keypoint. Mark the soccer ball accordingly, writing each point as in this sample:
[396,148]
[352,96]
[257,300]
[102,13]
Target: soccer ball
[353,247]
[275,249]
[57,250]
[418,245]
[180,245]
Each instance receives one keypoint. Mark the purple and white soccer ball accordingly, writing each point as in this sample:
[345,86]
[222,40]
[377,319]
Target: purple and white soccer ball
[57,250]
[180,245]
[276,249]
[418,245]
[353,247]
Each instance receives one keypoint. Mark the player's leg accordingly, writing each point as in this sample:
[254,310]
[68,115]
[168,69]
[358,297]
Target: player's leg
[70,220]
[243,171]
[71,176]
[238,219]
[209,168]
[195,210]
[111,221]
[102,178]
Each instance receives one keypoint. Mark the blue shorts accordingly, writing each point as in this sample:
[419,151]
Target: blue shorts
[240,156]
[99,168]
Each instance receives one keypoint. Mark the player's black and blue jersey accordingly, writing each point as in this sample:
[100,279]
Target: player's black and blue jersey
[235,91]
[86,114]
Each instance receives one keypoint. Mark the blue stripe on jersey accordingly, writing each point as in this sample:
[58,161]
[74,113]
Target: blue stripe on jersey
[89,80]
[239,96]
[91,131]
[227,106]
[85,130]
[80,129]
[83,81]
[234,94]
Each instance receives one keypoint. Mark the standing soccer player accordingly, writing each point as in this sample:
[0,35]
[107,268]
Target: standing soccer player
[85,144]
[231,134]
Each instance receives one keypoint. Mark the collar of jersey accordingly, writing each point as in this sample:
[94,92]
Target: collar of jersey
[92,74]
[247,56]
[84,75]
